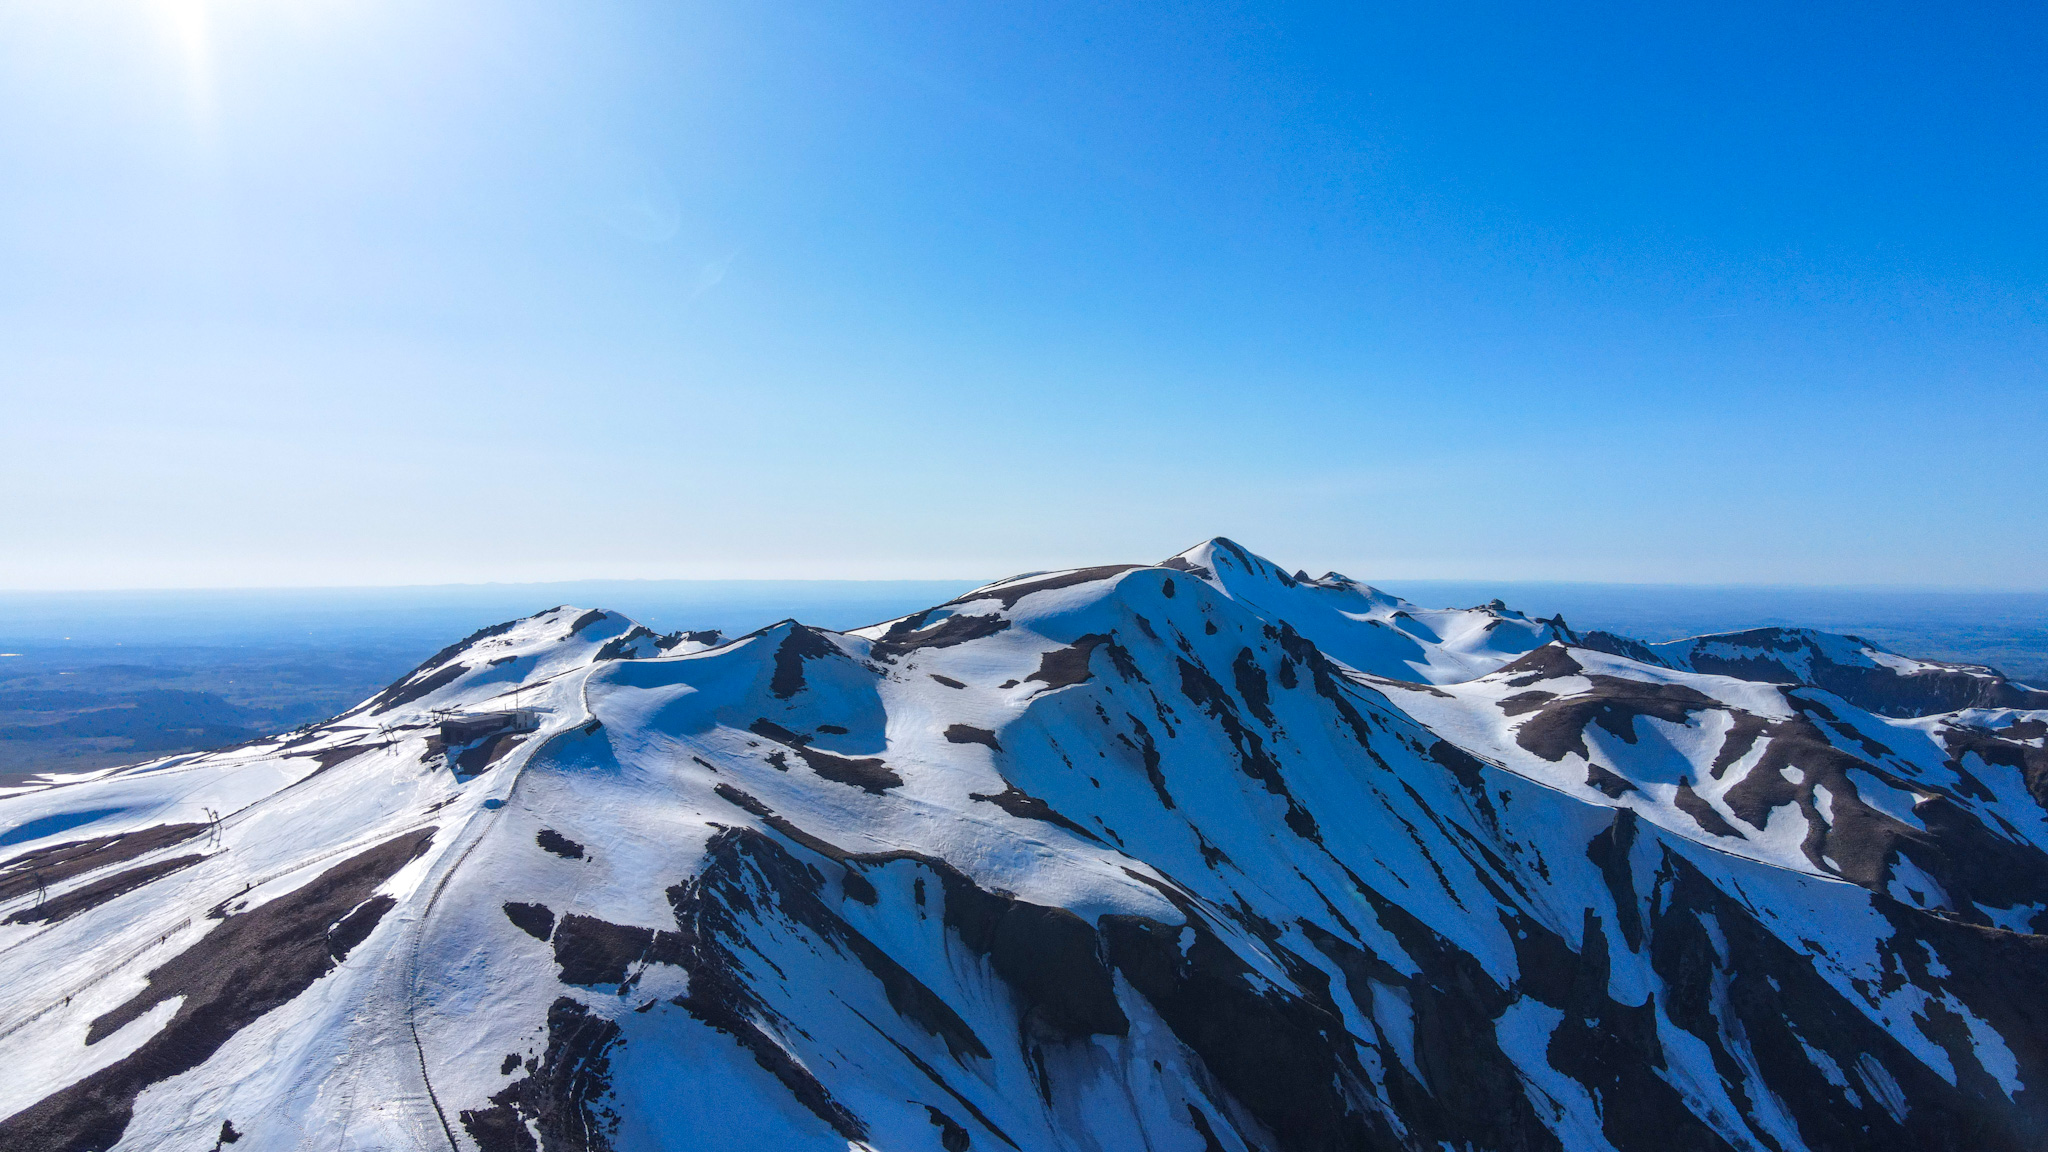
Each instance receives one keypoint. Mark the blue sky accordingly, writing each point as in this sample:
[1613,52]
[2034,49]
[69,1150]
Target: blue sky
[361,291]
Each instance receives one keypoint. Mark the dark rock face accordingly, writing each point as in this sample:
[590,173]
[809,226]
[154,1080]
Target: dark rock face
[553,841]
[536,920]
[969,734]
[1009,594]
[911,633]
[1622,646]
[626,646]
[413,688]
[592,951]
[100,891]
[868,773]
[1049,957]
[442,669]
[1277,1054]
[2019,744]
[1026,807]
[562,1098]
[799,645]
[1559,723]
[1066,666]
[44,867]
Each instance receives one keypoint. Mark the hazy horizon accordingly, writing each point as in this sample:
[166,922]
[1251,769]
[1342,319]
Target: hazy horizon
[2005,628]
[1384,582]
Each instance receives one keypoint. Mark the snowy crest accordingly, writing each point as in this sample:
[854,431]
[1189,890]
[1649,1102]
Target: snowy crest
[1193,855]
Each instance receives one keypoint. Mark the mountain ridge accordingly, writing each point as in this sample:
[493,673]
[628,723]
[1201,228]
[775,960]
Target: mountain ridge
[1137,854]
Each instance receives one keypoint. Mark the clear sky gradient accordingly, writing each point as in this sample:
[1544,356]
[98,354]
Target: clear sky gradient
[379,291]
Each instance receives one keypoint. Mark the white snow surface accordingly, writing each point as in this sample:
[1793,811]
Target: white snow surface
[1184,856]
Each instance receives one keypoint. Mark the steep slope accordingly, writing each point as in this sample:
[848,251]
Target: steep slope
[1190,856]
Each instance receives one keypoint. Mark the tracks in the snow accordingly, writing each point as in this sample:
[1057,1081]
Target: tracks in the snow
[419,927]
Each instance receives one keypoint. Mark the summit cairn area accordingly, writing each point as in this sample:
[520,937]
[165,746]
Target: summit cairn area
[1193,856]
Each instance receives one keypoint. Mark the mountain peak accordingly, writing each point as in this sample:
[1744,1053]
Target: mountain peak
[1200,854]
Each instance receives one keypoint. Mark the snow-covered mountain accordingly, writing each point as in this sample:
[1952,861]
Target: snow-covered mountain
[1849,666]
[1192,856]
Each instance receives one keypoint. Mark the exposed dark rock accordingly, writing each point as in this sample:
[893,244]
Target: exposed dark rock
[1742,736]
[1972,863]
[1049,957]
[952,1136]
[59,862]
[245,966]
[100,891]
[536,920]
[703,906]
[1064,666]
[1773,999]
[1466,1090]
[969,734]
[1606,781]
[710,637]
[1550,662]
[498,1128]
[1017,804]
[910,634]
[415,686]
[713,911]
[1009,594]
[1252,687]
[2021,745]
[1202,689]
[1332,686]
[1694,805]
[1612,1049]
[867,773]
[1559,725]
[763,726]
[553,841]
[799,645]
[599,953]
[562,1098]
[1283,1057]
[1622,646]
[1201,1122]
[1609,851]
[455,649]
[1250,561]
[621,647]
